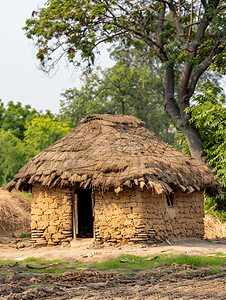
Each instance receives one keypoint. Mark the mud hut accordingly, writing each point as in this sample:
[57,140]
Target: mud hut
[113,180]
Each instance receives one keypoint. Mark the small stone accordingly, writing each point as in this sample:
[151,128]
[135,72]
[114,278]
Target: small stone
[21,245]
[65,243]
[50,242]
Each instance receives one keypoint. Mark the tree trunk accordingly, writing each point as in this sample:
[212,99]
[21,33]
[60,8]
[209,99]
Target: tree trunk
[181,119]
[194,141]
[123,108]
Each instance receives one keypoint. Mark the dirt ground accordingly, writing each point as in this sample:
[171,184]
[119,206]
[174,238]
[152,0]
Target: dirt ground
[99,284]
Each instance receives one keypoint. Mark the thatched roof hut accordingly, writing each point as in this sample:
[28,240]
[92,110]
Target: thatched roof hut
[112,179]
[113,152]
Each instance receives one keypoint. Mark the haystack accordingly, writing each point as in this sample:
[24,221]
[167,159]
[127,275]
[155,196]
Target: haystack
[214,227]
[114,172]
[15,212]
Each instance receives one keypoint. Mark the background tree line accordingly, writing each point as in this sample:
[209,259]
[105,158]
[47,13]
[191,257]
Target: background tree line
[132,86]
[24,132]
[129,87]
[185,38]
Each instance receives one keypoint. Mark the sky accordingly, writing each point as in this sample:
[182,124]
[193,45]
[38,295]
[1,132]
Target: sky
[20,79]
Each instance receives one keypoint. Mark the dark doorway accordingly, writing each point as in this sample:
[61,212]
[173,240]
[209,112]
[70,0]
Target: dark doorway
[85,214]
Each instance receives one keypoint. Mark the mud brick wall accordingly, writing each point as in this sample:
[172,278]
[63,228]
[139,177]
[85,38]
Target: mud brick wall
[136,215]
[51,215]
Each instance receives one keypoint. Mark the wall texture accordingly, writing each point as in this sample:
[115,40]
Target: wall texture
[51,215]
[136,215]
[133,215]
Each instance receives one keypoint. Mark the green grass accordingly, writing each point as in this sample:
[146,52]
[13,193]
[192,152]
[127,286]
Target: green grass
[208,204]
[215,270]
[6,273]
[29,259]
[25,195]
[32,287]
[196,261]
[25,235]
[57,266]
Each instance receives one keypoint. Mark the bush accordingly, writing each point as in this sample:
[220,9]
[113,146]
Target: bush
[221,200]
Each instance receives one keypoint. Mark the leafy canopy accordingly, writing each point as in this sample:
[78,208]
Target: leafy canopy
[209,116]
[42,131]
[13,117]
[24,132]
[13,155]
[129,87]
[75,28]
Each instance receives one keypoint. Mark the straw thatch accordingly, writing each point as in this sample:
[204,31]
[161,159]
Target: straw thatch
[14,213]
[113,152]
[214,227]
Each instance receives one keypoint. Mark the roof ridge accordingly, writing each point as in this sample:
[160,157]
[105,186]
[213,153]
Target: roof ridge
[119,119]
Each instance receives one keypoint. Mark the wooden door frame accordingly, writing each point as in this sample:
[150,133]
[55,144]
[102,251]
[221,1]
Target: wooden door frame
[93,212]
[75,212]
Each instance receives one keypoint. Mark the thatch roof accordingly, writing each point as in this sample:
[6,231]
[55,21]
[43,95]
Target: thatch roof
[113,152]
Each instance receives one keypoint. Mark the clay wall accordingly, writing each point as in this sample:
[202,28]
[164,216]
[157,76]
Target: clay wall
[51,215]
[133,215]
[136,215]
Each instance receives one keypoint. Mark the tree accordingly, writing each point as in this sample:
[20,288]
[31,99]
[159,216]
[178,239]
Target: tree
[14,116]
[128,88]
[42,131]
[13,155]
[2,112]
[209,117]
[208,114]
[175,32]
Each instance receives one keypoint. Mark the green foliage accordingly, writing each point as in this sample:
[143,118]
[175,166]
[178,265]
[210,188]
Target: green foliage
[25,195]
[208,114]
[196,261]
[129,87]
[42,131]
[13,155]
[219,204]
[14,117]
[215,270]
[80,26]
[75,29]
[32,287]
[139,262]
[25,235]
[24,132]
[13,151]
[209,202]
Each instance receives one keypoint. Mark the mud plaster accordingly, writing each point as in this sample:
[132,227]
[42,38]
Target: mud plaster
[131,214]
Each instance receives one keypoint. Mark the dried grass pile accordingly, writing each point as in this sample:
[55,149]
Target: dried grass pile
[14,213]
[214,228]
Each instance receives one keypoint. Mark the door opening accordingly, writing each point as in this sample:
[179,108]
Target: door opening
[83,217]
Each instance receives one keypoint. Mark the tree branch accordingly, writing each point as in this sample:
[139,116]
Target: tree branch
[161,53]
[192,48]
[175,19]
[170,101]
[183,83]
[200,69]
[107,38]
[191,25]
[159,28]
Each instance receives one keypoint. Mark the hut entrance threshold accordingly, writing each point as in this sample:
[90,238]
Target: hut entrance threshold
[83,217]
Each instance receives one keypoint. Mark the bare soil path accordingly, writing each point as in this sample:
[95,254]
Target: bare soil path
[89,284]
[83,249]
